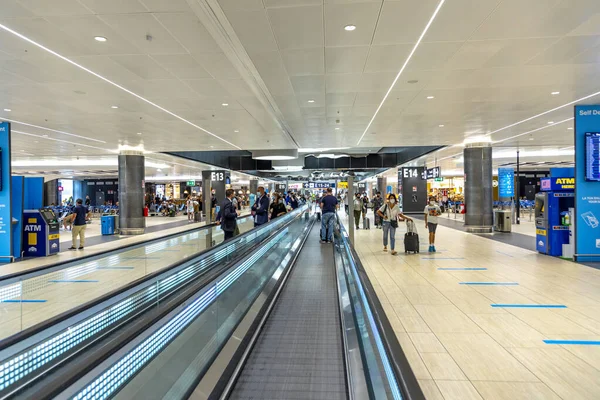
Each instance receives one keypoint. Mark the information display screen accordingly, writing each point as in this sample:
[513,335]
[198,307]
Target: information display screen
[592,156]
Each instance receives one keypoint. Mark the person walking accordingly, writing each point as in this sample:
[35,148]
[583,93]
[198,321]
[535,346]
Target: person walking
[329,205]
[377,203]
[79,226]
[260,209]
[432,212]
[228,215]
[277,207]
[390,213]
[357,210]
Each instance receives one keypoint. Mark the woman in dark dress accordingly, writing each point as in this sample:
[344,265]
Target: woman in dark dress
[277,207]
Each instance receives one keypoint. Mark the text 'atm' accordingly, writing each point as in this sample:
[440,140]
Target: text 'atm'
[41,235]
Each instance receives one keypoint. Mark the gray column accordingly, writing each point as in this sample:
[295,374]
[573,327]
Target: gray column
[478,188]
[350,195]
[131,193]
[253,186]
[381,185]
[213,180]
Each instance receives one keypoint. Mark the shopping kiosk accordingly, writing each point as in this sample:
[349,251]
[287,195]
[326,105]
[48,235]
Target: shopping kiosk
[40,233]
[552,214]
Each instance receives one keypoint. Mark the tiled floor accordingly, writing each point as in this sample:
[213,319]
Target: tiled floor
[459,346]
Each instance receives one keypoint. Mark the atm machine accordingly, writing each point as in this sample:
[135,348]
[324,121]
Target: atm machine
[552,218]
[41,235]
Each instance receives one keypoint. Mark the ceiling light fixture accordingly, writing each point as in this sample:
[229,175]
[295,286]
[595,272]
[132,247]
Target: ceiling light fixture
[430,97]
[53,130]
[224,104]
[284,154]
[236,131]
[100,38]
[570,128]
[337,129]
[7,110]
[350,28]
[550,122]
[555,93]
[441,126]
[139,133]
[435,13]
[311,101]
[57,140]
[534,130]
[89,71]
[115,107]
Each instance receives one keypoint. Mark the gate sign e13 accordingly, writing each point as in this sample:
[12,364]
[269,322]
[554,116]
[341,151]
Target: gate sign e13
[506,182]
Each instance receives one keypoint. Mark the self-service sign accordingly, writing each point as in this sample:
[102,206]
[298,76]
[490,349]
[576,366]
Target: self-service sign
[587,192]
[6,251]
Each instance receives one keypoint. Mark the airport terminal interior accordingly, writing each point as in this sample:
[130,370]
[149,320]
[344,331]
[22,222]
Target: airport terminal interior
[300,199]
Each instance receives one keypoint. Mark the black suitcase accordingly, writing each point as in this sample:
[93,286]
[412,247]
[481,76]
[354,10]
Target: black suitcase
[366,223]
[411,242]
[318,215]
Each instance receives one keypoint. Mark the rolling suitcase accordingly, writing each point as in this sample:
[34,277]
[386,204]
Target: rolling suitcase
[366,223]
[318,215]
[411,238]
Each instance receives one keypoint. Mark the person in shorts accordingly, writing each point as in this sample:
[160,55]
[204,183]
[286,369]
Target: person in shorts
[432,212]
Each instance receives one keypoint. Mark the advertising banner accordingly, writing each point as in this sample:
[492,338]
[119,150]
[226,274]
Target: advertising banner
[6,250]
[587,187]
[506,182]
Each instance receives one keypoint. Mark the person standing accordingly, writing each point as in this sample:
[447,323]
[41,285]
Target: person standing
[432,212]
[357,210]
[260,209]
[190,209]
[277,207]
[228,215]
[377,203]
[390,213]
[88,202]
[79,226]
[329,205]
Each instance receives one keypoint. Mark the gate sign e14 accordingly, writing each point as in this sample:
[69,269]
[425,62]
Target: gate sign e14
[506,182]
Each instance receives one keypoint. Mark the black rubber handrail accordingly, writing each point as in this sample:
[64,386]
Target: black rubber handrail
[407,381]
[109,344]
[118,249]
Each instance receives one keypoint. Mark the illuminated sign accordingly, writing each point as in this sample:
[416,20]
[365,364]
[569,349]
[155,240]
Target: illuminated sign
[550,184]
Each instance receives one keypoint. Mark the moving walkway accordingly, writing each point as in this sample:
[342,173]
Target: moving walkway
[269,314]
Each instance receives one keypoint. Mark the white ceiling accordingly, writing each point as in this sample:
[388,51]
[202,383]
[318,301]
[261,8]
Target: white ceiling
[487,63]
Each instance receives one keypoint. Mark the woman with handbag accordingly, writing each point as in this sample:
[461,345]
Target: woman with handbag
[390,214]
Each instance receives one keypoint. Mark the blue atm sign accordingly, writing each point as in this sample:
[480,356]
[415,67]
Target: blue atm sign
[557,184]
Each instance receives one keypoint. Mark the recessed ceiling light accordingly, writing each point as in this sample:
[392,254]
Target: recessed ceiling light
[114,107]
[441,126]
[550,122]
[531,138]
[555,93]
[430,97]
[7,110]
[337,129]
[158,169]
[139,133]
[236,131]
[100,38]
[350,28]
[22,150]
[311,101]
[224,104]
[570,128]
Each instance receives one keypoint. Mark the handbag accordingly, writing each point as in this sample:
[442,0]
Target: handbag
[393,222]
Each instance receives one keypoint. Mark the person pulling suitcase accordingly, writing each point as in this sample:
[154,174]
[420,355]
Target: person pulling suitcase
[390,214]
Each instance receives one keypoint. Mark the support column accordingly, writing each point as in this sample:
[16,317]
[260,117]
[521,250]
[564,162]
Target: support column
[131,193]
[253,186]
[518,190]
[213,181]
[478,188]
[350,195]
[381,186]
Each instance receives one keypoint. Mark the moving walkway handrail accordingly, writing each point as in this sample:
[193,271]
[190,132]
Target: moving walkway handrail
[26,339]
[402,372]
[41,270]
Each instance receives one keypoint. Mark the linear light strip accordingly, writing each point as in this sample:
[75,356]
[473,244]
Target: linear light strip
[7,29]
[535,130]
[403,67]
[546,112]
[52,130]
[58,140]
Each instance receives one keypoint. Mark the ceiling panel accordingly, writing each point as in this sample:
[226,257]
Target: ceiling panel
[362,15]
[287,22]
[304,61]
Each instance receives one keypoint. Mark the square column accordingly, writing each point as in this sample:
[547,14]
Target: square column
[131,193]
